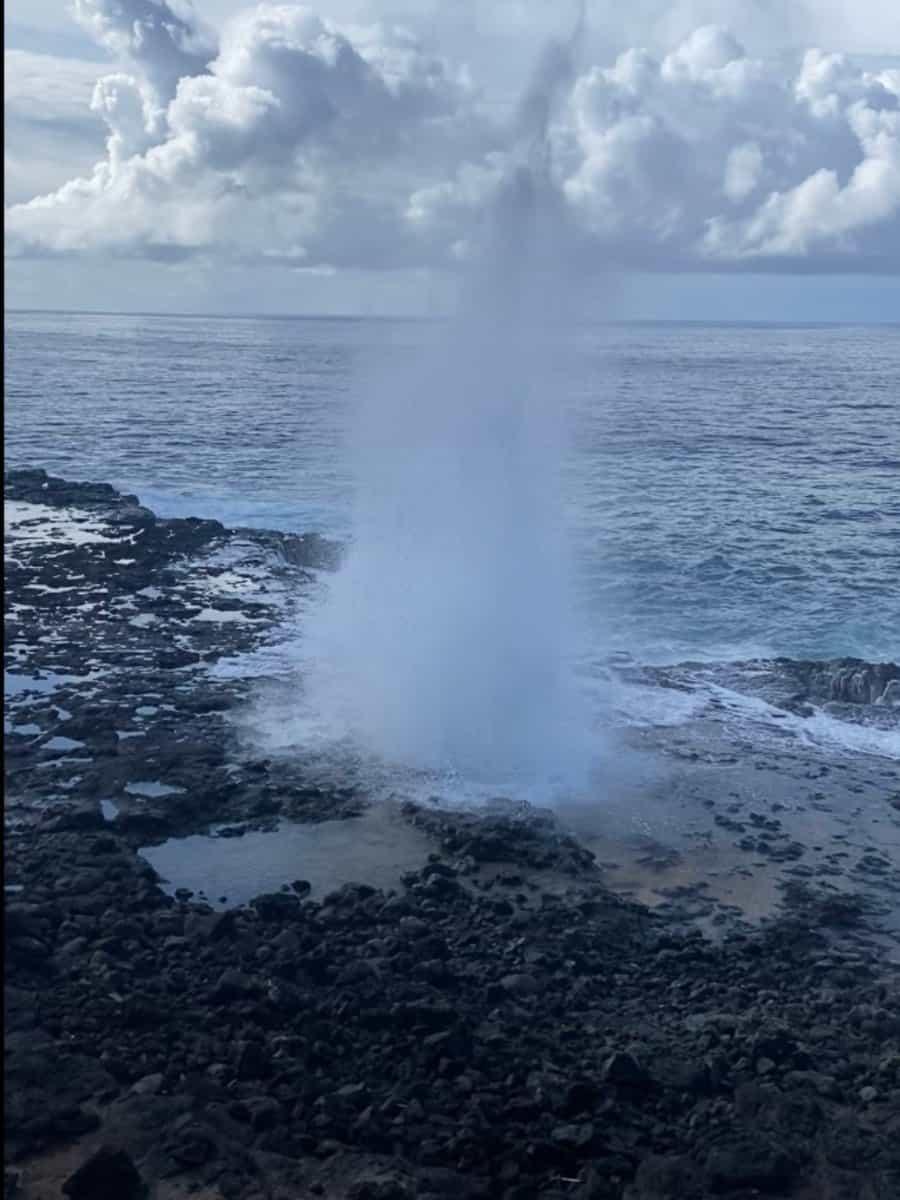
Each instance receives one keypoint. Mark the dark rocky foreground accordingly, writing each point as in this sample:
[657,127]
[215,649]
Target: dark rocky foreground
[499,1026]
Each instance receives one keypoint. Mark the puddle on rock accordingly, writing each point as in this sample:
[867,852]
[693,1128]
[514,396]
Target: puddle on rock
[376,848]
[16,684]
[151,788]
[62,743]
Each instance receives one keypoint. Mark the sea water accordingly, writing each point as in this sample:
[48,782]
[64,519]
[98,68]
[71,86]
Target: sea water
[733,490]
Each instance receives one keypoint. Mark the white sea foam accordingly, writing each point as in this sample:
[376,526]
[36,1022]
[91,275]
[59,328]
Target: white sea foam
[220,616]
[652,706]
[35,524]
[820,729]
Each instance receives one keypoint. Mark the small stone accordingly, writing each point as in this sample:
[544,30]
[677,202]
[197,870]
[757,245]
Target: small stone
[438,868]
[232,985]
[624,1069]
[194,1147]
[749,1161]
[665,1177]
[573,1137]
[208,926]
[72,948]
[868,1094]
[276,906]
[379,1188]
[413,926]
[149,1085]
[519,984]
[265,1113]
[107,1173]
[580,1097]
[252,1061]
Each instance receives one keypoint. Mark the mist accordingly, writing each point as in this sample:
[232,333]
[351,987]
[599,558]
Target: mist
[445,641]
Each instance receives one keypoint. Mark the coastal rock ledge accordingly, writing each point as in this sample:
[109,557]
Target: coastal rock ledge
[498,1026]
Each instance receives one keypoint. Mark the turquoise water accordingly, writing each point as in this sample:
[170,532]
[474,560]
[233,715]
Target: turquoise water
[734,490]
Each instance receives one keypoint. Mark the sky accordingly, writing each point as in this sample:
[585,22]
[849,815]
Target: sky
[709,159]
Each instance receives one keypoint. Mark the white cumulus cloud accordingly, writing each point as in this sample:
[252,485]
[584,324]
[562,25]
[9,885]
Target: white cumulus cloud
[292,138]
[710,156]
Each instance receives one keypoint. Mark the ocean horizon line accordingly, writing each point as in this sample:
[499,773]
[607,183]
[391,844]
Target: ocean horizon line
[424,318]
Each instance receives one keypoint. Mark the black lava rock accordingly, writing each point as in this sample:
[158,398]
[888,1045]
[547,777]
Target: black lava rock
[109,1174]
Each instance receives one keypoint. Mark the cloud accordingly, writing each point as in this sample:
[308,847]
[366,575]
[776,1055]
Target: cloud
[297,140]
[163,39]
[708,156]
[856,212]
[298,143]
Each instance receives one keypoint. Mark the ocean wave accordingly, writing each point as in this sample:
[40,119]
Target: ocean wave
[845,703]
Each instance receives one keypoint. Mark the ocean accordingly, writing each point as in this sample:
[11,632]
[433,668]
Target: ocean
[734,490]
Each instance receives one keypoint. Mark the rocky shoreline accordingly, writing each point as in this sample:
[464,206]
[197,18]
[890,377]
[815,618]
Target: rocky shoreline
[498,1025]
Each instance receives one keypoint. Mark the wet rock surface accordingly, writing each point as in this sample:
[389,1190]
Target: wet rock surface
[498,1025]
[112,617]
